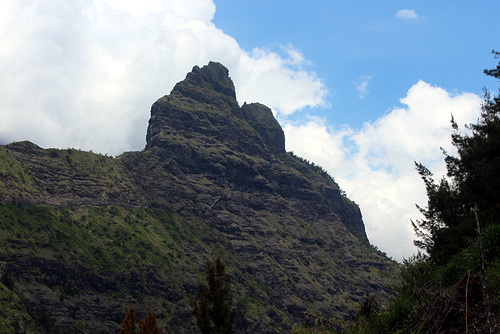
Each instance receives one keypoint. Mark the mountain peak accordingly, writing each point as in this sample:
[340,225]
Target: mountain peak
[203,107]
[202,83]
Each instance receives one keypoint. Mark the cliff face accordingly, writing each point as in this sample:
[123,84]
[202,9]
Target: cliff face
[294,242]
[199,130]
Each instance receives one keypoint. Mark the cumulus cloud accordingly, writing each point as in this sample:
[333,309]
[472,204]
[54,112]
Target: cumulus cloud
[84,73]
[362,85]
[374,164]
[280,83]
[408,14]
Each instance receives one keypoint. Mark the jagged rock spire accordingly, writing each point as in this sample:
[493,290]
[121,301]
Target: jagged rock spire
[213,77]
[204,104]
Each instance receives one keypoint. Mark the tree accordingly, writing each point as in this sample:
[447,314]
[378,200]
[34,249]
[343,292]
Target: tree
[473,179]
[148,324]
[494,72]
[128,323]
[213,310]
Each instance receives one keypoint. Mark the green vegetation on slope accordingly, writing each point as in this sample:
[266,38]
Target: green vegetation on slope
[30,174]
[124,253]
[95,237]
[148,258]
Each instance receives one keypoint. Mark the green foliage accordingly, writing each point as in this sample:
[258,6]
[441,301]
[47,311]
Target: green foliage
[447,232]
[13,172]
[213,310]
[491,243]
[14,317]
[396,315]
[315,168]
[369,307]
[452,272]
[472,179]
[95,237]
[136,251]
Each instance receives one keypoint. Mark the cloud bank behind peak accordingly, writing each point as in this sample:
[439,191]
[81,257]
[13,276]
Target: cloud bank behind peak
[85,73]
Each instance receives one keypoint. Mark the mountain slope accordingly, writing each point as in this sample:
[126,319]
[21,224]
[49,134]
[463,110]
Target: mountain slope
[214,177]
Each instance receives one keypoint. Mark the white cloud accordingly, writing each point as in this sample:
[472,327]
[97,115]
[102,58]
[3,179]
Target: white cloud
[280,83]
[374,164]
[409,14]
[362,85]
[85,73]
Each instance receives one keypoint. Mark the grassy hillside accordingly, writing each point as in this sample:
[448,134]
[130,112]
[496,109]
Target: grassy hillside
[55,260]
[30,174]
[125,254]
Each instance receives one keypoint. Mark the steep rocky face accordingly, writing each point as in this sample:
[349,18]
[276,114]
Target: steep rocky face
[199,130]
[201,113]
[295,243]
[262,120]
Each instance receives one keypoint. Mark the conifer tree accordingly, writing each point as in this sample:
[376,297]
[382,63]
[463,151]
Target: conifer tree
[128,323]
[148,324]
[213,310]
[473,182]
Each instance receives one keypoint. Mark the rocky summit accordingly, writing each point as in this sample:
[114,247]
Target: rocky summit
[85,236]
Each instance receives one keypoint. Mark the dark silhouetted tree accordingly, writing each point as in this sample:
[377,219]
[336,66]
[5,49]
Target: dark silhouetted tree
[213,310]
[496,71]
[473,179]
[369,307]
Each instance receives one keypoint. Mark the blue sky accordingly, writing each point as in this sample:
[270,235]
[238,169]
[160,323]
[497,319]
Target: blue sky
[348,42]
[362,88]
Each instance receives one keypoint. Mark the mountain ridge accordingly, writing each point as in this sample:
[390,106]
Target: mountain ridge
[285,227]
